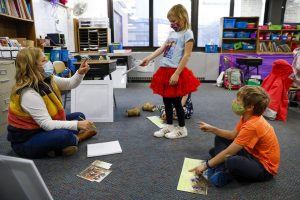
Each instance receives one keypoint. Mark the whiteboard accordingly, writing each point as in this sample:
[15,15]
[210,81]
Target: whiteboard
[46,17]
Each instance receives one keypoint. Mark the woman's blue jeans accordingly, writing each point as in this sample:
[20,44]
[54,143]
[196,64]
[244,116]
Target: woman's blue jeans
[40,144]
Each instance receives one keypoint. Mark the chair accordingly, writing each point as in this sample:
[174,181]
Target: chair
[61,70]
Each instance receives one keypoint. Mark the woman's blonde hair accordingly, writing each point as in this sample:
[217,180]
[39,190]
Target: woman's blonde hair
[28,73]
[179,12]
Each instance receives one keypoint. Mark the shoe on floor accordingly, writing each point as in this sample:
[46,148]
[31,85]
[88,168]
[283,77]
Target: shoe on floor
[69,150]
[221,178]
[86,134]
[178,132]
[167,129]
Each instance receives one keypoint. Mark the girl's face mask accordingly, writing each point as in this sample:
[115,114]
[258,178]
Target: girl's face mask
[238,108]
[175,27]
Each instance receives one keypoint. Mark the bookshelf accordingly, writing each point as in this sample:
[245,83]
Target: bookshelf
[277,41]
[17,24]
[237,36]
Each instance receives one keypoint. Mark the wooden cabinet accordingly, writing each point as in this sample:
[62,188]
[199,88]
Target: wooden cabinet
[92,39]
[239,34]
[7,80]
[13,26]
[277,41]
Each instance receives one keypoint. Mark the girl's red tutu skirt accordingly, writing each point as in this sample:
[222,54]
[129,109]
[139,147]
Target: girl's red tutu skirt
[186,84]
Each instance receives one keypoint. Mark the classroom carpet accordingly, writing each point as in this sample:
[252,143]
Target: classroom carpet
[149,167]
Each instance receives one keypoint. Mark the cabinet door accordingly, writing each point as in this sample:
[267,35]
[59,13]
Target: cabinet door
[7,75]
[4,103]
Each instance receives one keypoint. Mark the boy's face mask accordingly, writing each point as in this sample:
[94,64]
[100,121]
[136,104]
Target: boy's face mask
[238,108]
[175,27]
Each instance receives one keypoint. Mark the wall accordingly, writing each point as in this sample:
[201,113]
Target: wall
[275,11]
[205,66]
[49,19]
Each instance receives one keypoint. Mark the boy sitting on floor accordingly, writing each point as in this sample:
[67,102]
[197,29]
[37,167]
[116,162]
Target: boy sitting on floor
[250,151]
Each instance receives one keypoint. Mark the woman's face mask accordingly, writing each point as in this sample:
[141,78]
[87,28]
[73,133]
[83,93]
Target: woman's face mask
[237,108]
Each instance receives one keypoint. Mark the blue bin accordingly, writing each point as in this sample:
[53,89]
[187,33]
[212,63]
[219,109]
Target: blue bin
[228,46]
[241,24]
[55,55]
[115,46]
[229,23]
[242,34]
[249,46]
[228,35]
[64,55]
[71,66]
[211,48]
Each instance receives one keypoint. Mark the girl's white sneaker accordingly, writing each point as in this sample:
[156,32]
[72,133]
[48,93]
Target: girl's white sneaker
[178,132]
[167,129]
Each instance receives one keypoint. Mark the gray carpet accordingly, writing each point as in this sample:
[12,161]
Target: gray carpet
[149,168]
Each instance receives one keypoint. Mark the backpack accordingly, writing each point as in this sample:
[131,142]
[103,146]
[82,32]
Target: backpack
[232,78]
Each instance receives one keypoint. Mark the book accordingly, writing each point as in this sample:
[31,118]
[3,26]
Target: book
[188,181]
[96,172]
[157,121]
[105,148]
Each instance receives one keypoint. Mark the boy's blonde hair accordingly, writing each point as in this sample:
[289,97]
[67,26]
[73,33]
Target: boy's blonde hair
[27,72]
[179,12]
[254,96]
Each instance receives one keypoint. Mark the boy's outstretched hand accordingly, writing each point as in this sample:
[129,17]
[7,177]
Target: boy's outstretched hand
[205,127]
[199,169]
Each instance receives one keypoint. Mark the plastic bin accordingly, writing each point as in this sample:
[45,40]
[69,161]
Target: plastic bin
[251,25]
[64,55]
[229,23]
[275,27]
[263,27]
[211,48]
[228,46]
[249,46]
[228,34]
[71,66]
[243,35]
[54,55]
[237,45]
[241,24]
[47,56]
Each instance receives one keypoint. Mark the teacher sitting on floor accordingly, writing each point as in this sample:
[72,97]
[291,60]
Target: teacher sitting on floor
[37,123]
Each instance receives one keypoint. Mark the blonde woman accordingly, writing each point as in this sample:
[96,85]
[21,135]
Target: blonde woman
[37,123]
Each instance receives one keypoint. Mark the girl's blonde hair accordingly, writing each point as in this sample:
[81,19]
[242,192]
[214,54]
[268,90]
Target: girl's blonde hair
[179,12]
[27,72]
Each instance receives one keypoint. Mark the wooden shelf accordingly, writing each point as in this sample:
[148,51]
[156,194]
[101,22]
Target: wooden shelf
[240,29]
[270,52]
[238,51]
[9,17]
[239,39]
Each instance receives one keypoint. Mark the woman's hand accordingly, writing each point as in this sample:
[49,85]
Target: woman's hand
[145,62]
[174,79]
[85,125]
[84,68]
[205,127]
[199,169]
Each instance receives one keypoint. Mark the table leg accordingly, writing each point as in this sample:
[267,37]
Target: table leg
[110,77]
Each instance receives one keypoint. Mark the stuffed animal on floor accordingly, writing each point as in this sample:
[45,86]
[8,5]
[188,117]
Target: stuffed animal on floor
[133,112]
[148,107]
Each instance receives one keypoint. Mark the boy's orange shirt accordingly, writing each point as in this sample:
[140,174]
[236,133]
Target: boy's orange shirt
[258,138]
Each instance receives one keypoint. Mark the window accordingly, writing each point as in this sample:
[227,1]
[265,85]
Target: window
[161,24]
[209,15]
[250,8]
[292,11]
[131,22]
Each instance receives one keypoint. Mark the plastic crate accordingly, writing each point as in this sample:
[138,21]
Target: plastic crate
[237,45]
[64,55]
[251,25]
[71,66]
[249,46]
[227,46]
[55,55]
[242,34]
[228,34]
[229,23]
[275,27]
[241,24]
[263,27]
[211,48]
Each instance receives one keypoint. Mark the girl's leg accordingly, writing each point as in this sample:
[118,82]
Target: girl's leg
[40,144]
[168,109]
[179,111]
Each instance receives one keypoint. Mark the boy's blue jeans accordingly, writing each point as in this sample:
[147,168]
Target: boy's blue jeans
[40,144]
[242,165]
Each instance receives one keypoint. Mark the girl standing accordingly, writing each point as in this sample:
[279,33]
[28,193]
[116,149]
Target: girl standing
[173,79]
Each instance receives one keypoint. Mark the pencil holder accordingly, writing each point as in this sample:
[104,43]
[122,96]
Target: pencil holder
[148,107]
[133,112]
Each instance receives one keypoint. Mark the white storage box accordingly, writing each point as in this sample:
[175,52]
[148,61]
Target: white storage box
[119,80]
[94,98]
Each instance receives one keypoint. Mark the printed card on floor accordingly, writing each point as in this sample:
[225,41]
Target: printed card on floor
[188,181]
[157,121]
[94,172]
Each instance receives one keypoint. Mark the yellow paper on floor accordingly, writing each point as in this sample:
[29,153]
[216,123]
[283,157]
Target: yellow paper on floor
[188,181]
[157,121]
